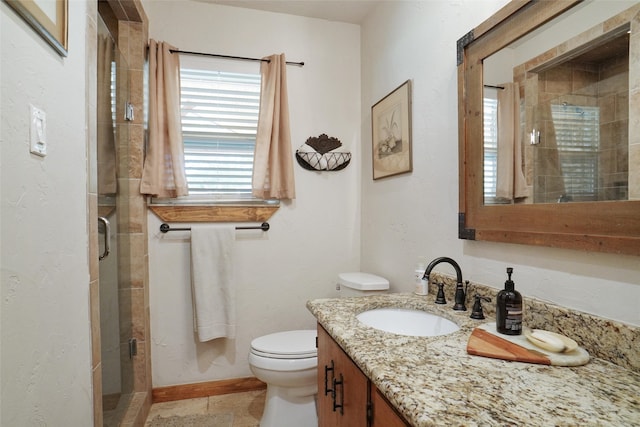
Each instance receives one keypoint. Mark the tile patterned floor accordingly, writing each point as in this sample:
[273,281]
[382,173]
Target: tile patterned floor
[246,407]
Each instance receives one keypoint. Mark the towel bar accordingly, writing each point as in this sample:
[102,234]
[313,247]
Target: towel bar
[164,227]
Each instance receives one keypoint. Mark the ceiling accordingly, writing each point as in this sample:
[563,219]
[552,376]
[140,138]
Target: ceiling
[351,11]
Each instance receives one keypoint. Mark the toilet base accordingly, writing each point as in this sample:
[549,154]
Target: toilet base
[285,409]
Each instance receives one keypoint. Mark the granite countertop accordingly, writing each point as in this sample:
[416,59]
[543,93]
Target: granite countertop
[433,381]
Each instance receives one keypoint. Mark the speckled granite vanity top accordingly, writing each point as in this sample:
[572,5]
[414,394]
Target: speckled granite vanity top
[432,381]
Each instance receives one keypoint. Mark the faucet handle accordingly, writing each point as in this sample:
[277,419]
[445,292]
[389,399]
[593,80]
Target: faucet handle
[477,313]
[440,299]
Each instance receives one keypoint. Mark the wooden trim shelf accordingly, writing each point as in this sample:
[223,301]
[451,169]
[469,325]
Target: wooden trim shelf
[214,213]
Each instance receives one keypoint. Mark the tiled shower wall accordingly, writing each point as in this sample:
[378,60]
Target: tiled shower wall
[133,270]
[604,85]
[133,277]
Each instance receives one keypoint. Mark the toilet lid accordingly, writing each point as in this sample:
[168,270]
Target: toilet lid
[286,345]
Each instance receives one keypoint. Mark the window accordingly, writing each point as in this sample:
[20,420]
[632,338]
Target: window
[219,123]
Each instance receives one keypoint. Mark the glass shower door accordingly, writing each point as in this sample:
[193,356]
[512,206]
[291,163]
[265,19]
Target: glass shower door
[115,319]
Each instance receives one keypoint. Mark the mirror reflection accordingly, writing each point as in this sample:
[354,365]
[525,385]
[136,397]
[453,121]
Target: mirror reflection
[556,116]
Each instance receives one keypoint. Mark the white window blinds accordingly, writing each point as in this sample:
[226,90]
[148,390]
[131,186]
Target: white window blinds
[219,122]
[577,137]
[490,122]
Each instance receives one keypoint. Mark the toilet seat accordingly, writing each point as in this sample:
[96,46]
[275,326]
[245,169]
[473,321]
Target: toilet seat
[299,344]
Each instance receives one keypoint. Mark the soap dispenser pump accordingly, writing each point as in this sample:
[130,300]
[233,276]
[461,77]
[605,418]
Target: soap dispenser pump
[509,308]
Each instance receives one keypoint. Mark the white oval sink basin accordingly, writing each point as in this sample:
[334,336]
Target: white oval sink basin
[410,322]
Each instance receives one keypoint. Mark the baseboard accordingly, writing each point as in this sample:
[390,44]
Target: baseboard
[209,388]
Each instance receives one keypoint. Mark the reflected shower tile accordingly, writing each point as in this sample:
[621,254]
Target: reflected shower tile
[634,173]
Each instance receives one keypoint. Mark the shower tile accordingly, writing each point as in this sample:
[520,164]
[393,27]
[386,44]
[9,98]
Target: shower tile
[582,82]
[614,84]
[138,312]
[139,374]
[126,367]
[634,117]
[124,305]
[557,80]
[131,271]
[607,106]
[584,37]
[135,151]
[131,311]
[137,208]
[534,62]
[137,45]
[622,106]
[634,174]
[136,96]
[131,219]
[123,37]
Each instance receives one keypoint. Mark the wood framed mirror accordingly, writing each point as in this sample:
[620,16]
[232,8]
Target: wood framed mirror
[540,38]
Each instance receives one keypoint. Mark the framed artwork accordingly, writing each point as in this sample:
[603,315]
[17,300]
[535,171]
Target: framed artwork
[391,133]
[48,18]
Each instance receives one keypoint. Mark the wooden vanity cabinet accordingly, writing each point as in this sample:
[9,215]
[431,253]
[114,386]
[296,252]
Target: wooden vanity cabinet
[342,387]
[346,397]
[382,413]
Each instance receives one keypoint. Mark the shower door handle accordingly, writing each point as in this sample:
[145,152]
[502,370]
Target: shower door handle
[107,237]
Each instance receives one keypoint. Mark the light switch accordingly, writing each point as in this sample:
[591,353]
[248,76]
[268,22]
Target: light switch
[38,132]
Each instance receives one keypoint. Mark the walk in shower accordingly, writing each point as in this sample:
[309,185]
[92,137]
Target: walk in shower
[125,380]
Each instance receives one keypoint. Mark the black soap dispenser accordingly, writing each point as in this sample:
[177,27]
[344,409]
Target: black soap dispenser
[509,308]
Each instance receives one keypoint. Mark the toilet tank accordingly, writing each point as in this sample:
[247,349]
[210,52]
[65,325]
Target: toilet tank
[361,284]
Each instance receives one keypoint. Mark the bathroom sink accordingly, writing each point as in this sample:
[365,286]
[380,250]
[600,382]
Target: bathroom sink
[410,322]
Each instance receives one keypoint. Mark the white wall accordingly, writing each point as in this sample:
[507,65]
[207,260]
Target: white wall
[312,239]
[46,357]
[416,214]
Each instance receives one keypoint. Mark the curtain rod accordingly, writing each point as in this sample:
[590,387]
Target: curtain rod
[494,87]
[243,58]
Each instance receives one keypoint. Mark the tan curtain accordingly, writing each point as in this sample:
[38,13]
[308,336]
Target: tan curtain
[163,174]
[510,180]
[106,145]
[273,161]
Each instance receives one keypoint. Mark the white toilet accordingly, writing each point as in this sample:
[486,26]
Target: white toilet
[361,284]
[287,362]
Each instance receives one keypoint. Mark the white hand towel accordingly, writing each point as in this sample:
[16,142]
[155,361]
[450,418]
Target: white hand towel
[212,285]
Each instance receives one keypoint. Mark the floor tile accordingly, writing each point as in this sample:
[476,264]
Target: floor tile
[246,407]
[179,407]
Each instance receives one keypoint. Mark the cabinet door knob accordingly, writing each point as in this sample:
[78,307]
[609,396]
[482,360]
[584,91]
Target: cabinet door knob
[327,369]
[340,405]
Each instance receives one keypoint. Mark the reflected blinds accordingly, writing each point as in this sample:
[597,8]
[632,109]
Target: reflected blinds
[490,120]
[577,138]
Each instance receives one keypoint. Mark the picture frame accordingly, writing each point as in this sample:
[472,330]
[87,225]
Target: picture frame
[391,133]
[49,18]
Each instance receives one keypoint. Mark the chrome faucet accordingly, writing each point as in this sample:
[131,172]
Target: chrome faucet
[460,295]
